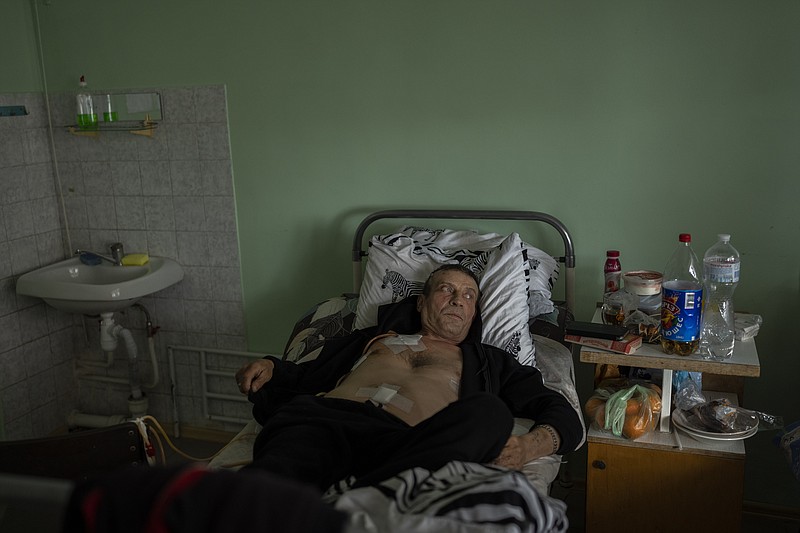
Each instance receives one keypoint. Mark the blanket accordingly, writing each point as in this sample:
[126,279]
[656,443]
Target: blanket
[459,497]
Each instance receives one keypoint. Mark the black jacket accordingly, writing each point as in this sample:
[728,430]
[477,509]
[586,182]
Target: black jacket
[485,368]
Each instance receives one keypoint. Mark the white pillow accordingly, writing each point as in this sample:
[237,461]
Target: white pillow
[542,273]
[541,270]
[504,301]
[399,264]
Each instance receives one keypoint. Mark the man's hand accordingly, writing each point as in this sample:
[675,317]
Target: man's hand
[515,452]
[522,449]
[251,377]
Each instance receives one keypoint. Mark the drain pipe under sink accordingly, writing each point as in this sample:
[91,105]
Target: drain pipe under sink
[110,331]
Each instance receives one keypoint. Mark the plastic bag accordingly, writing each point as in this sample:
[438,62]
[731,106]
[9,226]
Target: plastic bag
[722,416]
[789,443]
[688,389]
[625,410]
[644,325]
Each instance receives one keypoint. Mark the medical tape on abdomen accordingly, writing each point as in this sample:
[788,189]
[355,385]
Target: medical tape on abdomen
[396,343]
[400,343]
[386,395]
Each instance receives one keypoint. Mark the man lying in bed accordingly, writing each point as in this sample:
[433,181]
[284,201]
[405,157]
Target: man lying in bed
[418,390]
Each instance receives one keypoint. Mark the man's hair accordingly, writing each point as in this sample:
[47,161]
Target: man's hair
[426,289]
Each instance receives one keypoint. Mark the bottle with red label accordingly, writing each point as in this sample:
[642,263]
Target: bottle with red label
[612,270]
[682,300]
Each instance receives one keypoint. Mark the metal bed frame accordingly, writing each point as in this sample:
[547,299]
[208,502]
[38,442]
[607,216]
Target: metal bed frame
[568,259]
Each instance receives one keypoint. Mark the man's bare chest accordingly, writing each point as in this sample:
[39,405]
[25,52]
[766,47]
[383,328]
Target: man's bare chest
[417,354]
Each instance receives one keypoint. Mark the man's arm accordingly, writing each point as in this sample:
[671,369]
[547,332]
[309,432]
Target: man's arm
[523,390]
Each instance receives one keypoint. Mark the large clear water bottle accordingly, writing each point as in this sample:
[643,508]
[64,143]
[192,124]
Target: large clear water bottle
[721,265]
[682,300]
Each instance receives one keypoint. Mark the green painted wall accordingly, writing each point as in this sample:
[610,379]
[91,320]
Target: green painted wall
[20,70]
[631,121]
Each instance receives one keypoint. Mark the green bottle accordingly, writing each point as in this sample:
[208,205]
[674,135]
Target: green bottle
[87,118]
[109,113]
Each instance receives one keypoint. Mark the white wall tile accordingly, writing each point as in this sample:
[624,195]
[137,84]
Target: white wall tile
[18,220]
[36,146]
[169,195]
[14,184]
[11,151]
[210,104]
[186,179]
[40,180]
[217,177]
[125,178]
[160,213]
[155,178]
[130,212]
[24,256]
[190,213]
[12,368]
[182,141]
[5,258]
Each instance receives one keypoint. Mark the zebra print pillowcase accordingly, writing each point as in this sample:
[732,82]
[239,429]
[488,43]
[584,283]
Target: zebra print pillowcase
[399,264]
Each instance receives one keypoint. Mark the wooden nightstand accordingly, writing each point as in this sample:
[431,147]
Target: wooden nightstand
[667,480]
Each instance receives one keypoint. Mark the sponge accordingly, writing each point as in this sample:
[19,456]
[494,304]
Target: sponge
[135,259]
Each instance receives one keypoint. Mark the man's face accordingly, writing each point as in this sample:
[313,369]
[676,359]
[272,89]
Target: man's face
[447,312]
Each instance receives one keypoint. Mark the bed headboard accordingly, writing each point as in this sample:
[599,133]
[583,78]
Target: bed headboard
[568,259]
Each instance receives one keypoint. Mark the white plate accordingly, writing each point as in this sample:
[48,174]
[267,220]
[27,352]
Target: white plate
[718,436]
[681,422]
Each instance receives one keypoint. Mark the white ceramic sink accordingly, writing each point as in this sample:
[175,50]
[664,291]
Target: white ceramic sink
[74,287]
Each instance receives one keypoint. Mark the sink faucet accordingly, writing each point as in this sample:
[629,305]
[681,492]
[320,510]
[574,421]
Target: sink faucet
[116,254]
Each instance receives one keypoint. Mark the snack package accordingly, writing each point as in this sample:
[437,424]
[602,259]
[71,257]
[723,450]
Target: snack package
[623,409]
[646,326]
[746,326]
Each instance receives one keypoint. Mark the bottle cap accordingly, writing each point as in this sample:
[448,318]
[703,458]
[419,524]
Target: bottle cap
[612,253]
[685,237]
[724,237]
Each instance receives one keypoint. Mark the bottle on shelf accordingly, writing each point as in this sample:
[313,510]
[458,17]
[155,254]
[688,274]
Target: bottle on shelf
[721,265]
[682,300]
[612,271]
[109,113]
[87,117]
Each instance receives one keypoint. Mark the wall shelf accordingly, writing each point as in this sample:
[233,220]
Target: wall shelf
[145,128]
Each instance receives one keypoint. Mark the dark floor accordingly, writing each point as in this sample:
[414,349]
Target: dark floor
[41,515]
[196,449]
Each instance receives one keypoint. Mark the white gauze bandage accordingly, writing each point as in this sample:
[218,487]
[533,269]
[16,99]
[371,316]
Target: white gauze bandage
[386,395]
[400,343]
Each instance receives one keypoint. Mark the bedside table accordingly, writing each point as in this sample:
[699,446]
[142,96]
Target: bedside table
[668,480]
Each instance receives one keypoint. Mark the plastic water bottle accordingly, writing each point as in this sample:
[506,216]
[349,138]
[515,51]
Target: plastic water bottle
[681,300]
[87,117]
[721,266]
[612,270]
